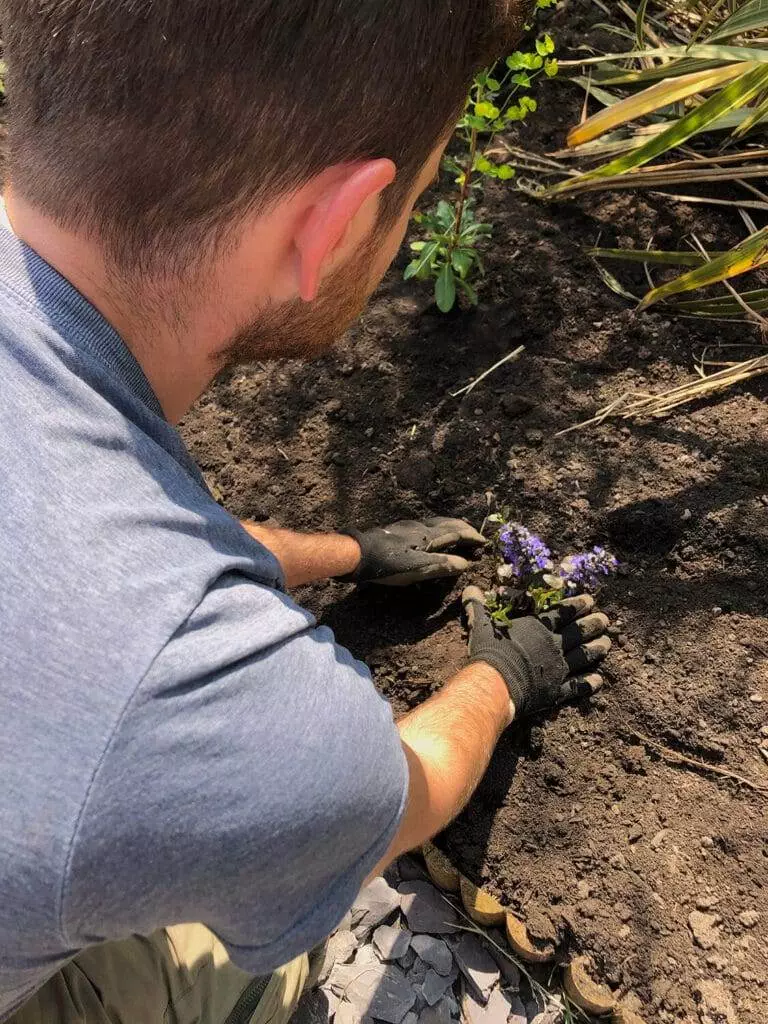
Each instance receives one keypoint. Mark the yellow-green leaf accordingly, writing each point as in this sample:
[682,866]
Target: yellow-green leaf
[748,255]
[661,95]
[734,95]
[655,256]
[754,117]
[748,17]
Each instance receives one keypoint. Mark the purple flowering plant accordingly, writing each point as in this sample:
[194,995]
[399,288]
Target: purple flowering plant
[527,565]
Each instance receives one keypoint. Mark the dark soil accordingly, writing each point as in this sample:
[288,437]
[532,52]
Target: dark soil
[579,823]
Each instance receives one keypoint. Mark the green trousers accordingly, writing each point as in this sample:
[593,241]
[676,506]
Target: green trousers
[180,975]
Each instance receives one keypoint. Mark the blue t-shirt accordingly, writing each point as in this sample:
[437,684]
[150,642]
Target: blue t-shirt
[178,740]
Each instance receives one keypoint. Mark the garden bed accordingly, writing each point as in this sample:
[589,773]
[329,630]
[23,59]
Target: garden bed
[586,824]
[601,840]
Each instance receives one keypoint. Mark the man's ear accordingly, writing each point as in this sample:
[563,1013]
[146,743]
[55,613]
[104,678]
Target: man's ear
[332,215]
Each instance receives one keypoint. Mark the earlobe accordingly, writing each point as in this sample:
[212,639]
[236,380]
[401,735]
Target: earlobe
[333,216]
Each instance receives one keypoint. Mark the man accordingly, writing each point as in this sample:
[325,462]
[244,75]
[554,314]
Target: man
[189,185]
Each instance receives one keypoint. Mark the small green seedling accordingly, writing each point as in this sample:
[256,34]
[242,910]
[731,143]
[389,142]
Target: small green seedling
[449,255]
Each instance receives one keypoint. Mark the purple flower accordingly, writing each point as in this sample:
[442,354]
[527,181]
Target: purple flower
[524,552]
[588,570]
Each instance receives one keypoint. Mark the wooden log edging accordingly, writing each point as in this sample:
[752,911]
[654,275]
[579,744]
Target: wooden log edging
[484,909]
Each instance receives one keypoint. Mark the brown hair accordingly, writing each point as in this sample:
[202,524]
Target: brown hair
[157,124]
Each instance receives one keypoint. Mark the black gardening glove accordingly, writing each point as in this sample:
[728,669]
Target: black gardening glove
[545,660]
[412,552]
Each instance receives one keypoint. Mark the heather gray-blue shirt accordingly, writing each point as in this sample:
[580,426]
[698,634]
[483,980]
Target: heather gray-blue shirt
[178,740]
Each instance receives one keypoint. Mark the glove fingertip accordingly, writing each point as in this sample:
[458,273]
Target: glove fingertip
[581,687]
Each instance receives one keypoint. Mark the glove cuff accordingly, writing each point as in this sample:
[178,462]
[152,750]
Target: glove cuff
[514,676]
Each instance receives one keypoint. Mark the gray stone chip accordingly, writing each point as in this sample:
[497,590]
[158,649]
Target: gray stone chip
[434,987]
[476,964]
[439,1014]
[425,909]
[517,1014]
[494,1011]
[375,902]
[391,942]
[374,990]
[434,952]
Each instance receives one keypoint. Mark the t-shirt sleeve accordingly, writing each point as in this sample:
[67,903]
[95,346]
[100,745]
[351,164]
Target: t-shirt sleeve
[252,783]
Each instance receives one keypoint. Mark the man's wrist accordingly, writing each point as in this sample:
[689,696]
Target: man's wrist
[350,555]
[490,681]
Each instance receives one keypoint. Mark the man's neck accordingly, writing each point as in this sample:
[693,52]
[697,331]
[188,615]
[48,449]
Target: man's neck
[174,351]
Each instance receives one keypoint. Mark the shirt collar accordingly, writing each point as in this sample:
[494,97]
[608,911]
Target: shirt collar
[27,278]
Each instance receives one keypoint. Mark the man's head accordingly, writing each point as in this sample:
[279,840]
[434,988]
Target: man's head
[165,130]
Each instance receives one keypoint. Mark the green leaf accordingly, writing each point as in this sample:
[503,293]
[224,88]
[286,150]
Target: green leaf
[654,256]
[522,78]
[493,84]
[487,110]
[755,116]
[640,23]
[484,165]
[519,61]
[734,95]
[462,261]
[505,172]
[748,255]
[748,17]
[613,283]
[551,67]
[656,96]
[468,290]
[445,289]
[445,215]
[476,230]
[545,45]
[725,305]
[422,265]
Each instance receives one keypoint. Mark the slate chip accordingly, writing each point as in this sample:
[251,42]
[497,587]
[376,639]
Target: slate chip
[494,1011]
[391,942]
[438,1014]
[425,909]
[377,991]
[434,952]
[375,902]
[434,986]
[476,964]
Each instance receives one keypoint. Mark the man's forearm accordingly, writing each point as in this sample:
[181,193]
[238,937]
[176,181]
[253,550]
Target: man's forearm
[448,742]
[306,557]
